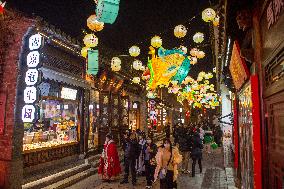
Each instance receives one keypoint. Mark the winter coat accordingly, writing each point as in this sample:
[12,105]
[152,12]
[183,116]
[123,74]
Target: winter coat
[154,149]
[131,149]
[184,140]
[197,146]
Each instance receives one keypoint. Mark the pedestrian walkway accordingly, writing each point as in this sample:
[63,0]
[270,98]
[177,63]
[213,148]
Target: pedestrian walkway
[213,177]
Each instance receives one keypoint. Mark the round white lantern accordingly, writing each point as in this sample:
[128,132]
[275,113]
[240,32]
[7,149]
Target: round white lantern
[142,68]
[115,61]
[180,31]
[208,15]
[90,40]
[134,51]
[137,64]
[136,80]
[116,67]
[198,37]
[156,41]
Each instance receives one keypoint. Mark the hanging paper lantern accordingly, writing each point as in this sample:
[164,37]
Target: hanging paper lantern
[216,21]
[156,41]
[90,40]
[134,51]
[194,52]
[200,54]
[137,64]
[115,61]
[136,80]
[198,37]
[193,60]
[180,31]
[84,51]
[184,49]
[208,15]
[116,67]
[94,24]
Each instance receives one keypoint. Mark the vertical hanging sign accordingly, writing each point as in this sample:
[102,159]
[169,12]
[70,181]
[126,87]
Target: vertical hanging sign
[32,79]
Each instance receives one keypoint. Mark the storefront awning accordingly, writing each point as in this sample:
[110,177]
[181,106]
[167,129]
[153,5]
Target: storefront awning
[65,78]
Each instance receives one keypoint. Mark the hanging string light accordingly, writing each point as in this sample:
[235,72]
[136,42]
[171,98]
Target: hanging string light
[156,41]
[180,31]
[134,51]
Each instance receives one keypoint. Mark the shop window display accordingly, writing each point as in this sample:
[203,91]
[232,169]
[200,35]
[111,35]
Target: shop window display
[94,110]
[58,120]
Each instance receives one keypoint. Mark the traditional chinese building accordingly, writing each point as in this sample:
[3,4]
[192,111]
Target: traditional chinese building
[250,63]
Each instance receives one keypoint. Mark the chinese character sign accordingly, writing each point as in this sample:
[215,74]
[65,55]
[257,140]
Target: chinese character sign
[30,95]
[33,59]
[28,113]
[35,42]
[238,68]
[31,77]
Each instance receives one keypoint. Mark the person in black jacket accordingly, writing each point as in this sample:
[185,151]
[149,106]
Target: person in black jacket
[131,153]
[196,152]
[184,141]
[150,151]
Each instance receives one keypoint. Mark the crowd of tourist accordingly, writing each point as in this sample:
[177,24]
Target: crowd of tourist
[142,157]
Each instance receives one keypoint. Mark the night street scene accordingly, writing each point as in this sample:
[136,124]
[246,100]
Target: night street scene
[142,94]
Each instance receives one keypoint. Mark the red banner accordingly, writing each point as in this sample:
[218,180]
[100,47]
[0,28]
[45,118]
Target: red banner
[2,112]
[236,134]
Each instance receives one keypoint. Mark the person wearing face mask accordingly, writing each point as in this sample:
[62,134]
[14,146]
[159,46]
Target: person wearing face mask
[150,151]
[109,162]
[167,158]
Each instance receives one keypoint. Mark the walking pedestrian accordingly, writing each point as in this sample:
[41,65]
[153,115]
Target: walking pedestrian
[150,151]
[130,156]
[109,162]
[184,142]
[196,152]
[167,159]
[140,163]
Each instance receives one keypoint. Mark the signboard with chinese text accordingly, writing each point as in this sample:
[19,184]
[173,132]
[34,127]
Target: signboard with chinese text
[238,68]
[32,79]
[68,93]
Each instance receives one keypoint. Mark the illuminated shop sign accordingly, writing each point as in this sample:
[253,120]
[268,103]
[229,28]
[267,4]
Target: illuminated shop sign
[238,68]
[32,79]
[68,93]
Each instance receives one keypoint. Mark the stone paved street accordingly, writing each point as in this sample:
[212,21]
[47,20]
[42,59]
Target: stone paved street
[213,177]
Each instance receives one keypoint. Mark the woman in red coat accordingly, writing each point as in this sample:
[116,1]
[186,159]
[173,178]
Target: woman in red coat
[109,161]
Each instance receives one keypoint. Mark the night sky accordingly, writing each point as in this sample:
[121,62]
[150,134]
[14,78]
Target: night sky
[137,22]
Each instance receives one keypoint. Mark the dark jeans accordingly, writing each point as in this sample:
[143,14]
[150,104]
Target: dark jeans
[168,182]
[130,163]
[193,165]
[149,172]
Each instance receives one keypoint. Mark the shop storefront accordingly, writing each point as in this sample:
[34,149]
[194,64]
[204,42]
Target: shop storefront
[50,105]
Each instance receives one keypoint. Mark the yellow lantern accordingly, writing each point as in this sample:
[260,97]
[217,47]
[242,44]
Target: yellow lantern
[115,64]
[94,24]
[84,51]
[90,40]
[198,37]
[156,41]
[180,31]
[137,64]
[116,67]
[193,52]
[136,80]
[216,21]
[208,15]
[200,54]
[134,51]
